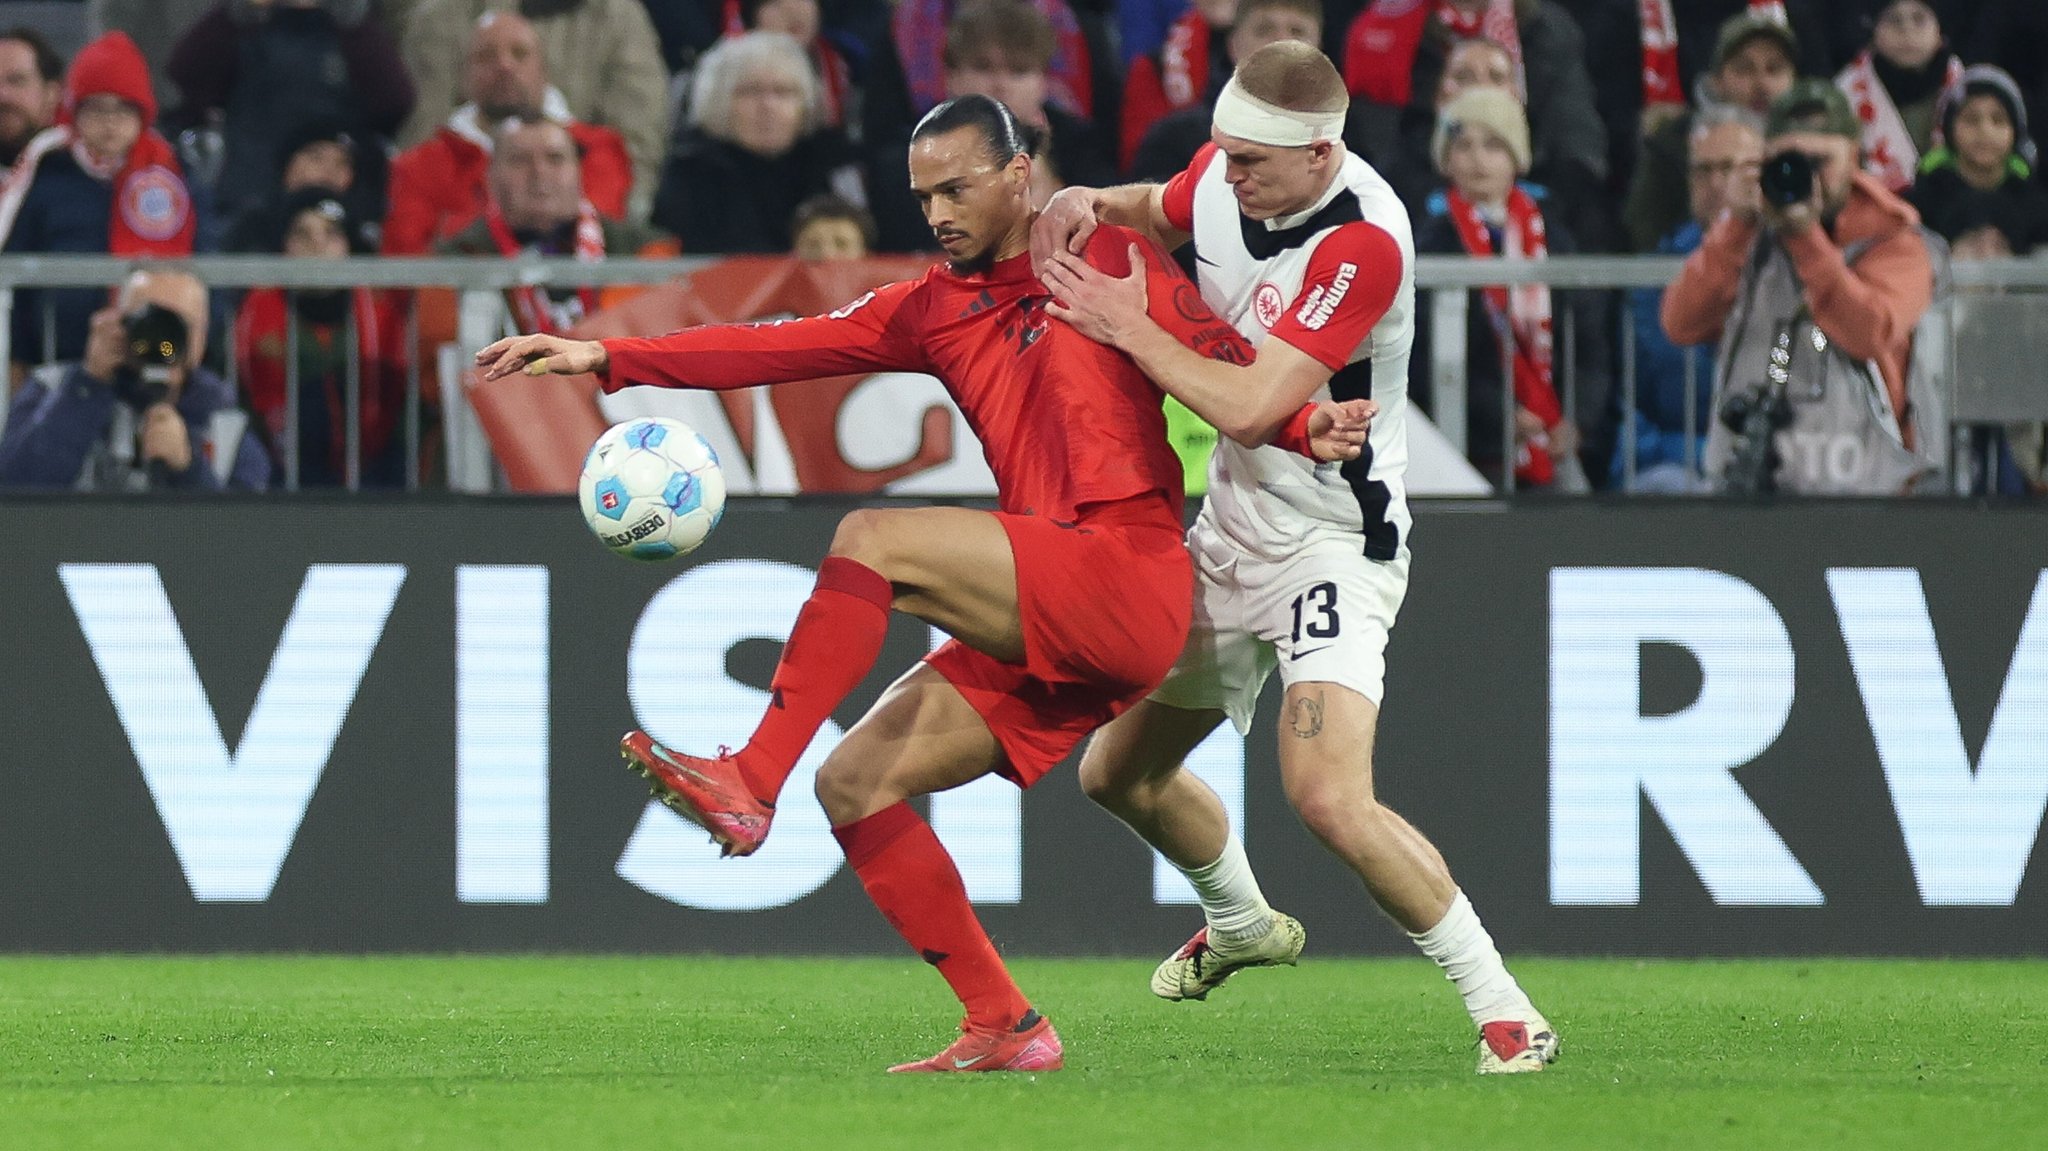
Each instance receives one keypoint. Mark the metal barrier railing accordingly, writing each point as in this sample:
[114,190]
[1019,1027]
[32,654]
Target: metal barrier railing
[479,283]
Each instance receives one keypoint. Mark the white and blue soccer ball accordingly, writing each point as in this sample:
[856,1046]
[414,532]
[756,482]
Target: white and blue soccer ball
[651,489]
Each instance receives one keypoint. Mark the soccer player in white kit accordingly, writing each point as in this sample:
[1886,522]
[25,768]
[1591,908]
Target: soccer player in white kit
[1299,566]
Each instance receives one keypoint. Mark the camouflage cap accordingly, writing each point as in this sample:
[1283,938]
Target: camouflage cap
[1813,105]
[1743,27]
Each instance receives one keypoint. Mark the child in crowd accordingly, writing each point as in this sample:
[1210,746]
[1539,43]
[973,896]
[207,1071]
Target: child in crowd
[1481,147]
[101,182]
[832,228]
[1977,188]
[1895,86]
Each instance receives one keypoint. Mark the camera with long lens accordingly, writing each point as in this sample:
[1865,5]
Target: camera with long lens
[1787,179]
[156,340]
[1755,415]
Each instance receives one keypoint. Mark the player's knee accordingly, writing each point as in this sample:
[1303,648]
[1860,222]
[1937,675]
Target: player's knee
[861,537]
[1103,786]
[845,793]
[1329,807]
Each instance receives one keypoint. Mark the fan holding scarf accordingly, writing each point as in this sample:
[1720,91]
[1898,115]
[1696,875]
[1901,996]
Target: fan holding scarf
[1481,146]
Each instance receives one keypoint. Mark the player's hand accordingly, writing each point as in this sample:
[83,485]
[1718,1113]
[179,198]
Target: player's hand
[1064,225]
[541,356]
[1100,306]
[1337,430]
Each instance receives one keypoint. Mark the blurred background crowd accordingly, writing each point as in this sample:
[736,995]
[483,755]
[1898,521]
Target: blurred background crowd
[622,128]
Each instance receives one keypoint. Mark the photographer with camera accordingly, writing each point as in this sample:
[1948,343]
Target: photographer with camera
[138,413]
[1813,281]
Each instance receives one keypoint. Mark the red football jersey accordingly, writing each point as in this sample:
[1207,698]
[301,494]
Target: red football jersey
[1067,424]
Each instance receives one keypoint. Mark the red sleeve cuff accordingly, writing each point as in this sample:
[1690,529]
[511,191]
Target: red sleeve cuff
[1293,436]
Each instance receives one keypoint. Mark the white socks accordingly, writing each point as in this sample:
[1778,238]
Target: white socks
[1231,900]
[1461,946]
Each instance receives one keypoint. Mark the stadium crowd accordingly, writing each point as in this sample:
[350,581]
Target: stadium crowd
[619,128]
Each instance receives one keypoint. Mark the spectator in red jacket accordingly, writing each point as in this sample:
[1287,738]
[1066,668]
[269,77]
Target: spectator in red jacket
[318,227]
[438,187]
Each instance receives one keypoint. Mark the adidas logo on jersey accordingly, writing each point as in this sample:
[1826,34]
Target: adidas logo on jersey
[1320,303]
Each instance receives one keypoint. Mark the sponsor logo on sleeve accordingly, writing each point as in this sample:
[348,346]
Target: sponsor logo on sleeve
[1321,302]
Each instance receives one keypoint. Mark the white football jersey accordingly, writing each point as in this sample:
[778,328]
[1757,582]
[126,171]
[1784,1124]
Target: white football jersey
[1336,281]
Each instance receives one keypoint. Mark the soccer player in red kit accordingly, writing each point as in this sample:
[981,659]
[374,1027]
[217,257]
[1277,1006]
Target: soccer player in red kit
[1066,606]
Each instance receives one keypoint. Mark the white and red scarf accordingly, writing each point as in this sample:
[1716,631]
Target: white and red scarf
[1661,82]
[1888,150]
[1379,51]
[1520,315]
[152,212]
[536,312]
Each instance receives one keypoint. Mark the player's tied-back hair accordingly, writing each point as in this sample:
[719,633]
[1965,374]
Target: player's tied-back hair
[1005,137]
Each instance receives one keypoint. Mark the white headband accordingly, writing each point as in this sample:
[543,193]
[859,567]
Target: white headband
[1245,116]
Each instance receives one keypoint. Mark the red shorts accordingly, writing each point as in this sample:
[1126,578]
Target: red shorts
[1105,605]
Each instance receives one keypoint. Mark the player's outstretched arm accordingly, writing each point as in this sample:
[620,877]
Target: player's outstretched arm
[874,333]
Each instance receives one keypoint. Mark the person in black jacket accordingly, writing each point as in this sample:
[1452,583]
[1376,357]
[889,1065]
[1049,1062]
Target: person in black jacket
[752,151]
[1980,179]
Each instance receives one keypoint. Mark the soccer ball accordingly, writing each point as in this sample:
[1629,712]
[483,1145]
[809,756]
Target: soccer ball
[651,489]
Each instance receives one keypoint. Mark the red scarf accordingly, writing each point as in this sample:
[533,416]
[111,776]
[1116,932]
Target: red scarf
[1379,49]
[1888,149]
[536,312]
[261,342]
[1661,82]
[1184,61]
[1520,317]
[152,212]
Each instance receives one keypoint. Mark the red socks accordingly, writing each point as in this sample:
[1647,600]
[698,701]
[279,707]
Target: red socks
[908,874]
[836,640]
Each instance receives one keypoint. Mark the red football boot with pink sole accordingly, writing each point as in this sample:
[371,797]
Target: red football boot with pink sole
[1032,1045]
[710,793]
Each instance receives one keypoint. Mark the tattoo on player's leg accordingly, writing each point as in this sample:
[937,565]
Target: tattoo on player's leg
[1306,721]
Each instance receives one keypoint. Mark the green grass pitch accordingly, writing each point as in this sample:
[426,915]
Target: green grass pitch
[221,1053]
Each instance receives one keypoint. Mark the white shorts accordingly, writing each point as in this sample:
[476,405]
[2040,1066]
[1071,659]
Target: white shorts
[1321,616]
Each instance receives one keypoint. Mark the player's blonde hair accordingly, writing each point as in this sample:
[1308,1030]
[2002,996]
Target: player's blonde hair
[1294,76]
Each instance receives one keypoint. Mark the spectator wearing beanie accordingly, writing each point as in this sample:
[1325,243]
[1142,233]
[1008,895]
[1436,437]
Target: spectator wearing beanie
[1895,85]
[323,155]
[1481,147]
[2013,34]
[318,226]
[1980,177]
[269,69]
[102,181]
